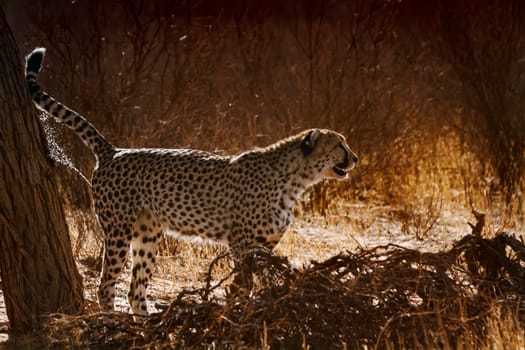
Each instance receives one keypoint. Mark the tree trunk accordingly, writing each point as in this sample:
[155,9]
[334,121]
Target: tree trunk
[38,272]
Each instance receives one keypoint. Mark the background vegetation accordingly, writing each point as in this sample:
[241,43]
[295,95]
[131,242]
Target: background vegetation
[428,93]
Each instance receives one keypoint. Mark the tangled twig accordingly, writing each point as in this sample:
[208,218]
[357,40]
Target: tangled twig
[374,297]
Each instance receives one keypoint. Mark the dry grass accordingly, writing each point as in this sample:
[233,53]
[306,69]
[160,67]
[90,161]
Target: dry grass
[465,297]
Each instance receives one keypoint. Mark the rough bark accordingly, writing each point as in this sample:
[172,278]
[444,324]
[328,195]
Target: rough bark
[38,272]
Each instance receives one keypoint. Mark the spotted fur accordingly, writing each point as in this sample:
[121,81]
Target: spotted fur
[243,200]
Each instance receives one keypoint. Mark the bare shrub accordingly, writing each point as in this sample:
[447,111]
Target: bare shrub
[386,297]
[226,78]
[483,42]
[419,218]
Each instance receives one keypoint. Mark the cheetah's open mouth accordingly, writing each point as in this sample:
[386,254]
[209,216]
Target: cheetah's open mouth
[341,168]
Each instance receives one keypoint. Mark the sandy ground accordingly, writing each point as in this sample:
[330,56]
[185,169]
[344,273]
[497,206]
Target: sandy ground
[312,239]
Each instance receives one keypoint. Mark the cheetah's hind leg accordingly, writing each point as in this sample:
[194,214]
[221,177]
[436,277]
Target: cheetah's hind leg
[116,247]
[147,232]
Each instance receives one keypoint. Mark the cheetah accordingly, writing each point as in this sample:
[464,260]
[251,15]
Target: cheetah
[244,201]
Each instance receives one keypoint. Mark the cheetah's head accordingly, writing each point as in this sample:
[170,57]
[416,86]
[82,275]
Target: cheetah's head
[326,155]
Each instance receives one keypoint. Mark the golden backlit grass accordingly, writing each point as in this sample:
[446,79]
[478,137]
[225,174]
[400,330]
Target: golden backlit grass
[386,297]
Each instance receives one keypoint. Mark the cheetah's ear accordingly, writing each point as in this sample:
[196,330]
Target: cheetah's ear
[308,143]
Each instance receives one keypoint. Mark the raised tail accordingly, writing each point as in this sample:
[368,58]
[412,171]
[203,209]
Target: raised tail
[87,132]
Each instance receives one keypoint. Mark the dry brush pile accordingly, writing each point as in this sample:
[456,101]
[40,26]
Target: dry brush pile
[386,297]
